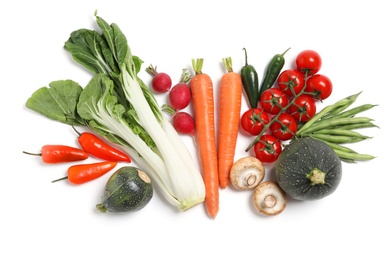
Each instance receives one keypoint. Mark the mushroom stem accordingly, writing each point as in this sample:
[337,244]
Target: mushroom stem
[251,179]
[269,201]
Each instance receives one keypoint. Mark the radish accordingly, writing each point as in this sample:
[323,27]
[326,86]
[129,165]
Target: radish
[182,121]
[161,81]
[180,94]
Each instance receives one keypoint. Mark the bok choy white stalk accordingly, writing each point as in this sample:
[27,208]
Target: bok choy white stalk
[118,105]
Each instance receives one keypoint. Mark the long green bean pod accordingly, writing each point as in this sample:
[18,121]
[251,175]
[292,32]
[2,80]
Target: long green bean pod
[346,159]
[356,110]
[354,156]
[357,125]
[342,108]
[330,123]
[338,131]
[339,139]
[338,147]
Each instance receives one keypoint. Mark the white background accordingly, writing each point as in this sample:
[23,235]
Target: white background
[59,221]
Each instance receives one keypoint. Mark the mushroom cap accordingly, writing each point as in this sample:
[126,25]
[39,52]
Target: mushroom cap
[246,173]
[269,199]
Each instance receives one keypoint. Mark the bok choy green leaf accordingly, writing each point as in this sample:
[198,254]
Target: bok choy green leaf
[119,106]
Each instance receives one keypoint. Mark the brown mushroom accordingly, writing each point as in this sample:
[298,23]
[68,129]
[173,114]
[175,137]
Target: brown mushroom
[246,173]
[269,199]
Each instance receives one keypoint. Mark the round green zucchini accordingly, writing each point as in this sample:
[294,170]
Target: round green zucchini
[128,189]
[308,169]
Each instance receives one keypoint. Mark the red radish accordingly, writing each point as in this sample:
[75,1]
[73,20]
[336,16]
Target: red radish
[180,94]
[184,123]
[161,81]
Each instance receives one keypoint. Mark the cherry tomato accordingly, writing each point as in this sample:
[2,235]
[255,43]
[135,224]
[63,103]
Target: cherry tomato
[268,149]
[308,60]
[285,127]
[320,85]
[304,108]
[272,100]
[291,81]
[254,120]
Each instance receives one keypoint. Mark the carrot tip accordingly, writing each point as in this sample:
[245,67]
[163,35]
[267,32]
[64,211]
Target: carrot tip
[213,214]
[212,217]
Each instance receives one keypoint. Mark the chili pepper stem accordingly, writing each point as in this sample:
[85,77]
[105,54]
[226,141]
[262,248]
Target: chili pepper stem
[285,51]
[35,154]
[60,179]
[74,128]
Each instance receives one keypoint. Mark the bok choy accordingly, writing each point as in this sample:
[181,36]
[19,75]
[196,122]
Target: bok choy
[118,105]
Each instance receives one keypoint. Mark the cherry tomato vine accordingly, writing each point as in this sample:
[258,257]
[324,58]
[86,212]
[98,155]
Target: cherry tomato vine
[289,103]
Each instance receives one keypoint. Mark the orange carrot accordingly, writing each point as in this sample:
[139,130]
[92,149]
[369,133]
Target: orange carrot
[230,94]
[203,103]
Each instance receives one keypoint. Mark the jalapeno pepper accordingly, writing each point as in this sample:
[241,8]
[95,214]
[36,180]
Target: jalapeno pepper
[60,154]
[250,82]
[272,72]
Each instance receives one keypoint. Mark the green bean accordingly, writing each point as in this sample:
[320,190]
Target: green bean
[356,126]
[346,154]
[352,112]
[338,131]
[329,123]
[342,108]
[339,147]
[326,110]
[338,139]
[347,160]
[354,156]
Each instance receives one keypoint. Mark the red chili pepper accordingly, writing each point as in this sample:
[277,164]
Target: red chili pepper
[60,154]
[81,173]
[97,147]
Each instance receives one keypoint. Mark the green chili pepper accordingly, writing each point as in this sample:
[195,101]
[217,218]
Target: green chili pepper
[250,82]
[273,70]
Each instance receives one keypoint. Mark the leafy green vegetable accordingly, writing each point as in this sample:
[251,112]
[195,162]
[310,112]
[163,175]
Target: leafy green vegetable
[117,104]
[58,102]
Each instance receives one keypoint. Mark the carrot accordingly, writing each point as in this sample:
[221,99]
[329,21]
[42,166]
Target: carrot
[203,104]
[230,94]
